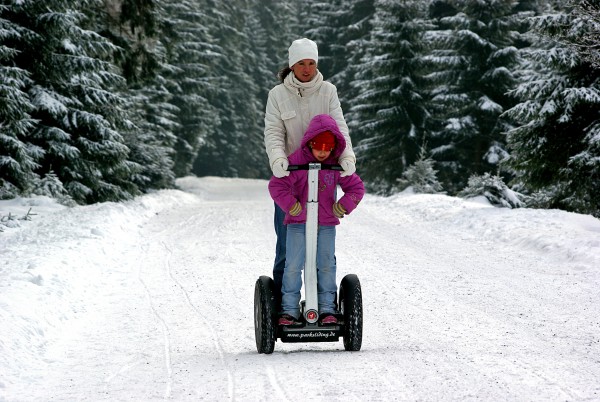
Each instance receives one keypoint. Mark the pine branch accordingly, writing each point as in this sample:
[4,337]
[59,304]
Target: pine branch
[5,220]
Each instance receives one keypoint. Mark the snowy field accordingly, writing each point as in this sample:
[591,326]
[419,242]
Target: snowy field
[153,299]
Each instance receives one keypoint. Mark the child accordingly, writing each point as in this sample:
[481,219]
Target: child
[323,142]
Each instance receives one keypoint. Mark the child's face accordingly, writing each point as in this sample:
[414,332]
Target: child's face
[321,155]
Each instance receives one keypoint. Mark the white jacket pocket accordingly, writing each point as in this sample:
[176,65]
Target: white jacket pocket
[288,115]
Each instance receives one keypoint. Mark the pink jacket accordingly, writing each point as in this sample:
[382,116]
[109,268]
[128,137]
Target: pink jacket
[287,190]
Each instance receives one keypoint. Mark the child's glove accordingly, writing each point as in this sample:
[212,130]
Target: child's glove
[296,209]
[280,168]
[339,210]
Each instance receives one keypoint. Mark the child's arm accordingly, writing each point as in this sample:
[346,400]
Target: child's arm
[281,190]
[353,189]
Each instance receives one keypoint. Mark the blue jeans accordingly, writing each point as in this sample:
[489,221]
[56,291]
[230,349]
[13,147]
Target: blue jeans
[294,264]
[279,264]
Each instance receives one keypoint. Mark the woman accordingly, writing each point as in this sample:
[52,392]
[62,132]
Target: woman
[290,107]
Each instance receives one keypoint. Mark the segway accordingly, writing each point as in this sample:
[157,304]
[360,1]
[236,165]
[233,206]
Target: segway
[350,313]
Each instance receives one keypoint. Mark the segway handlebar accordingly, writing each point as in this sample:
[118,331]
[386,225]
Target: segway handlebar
[324,166]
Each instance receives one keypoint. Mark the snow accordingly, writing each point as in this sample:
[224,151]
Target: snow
[488,105]
[70,46]
[153,299]
[49,101]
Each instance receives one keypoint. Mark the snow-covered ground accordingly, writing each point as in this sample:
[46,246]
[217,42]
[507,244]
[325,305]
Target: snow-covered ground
[153,299]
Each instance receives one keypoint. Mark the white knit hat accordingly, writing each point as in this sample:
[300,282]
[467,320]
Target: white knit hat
[303,49]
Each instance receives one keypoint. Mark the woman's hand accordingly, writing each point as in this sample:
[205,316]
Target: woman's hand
[280,168]
[348,166]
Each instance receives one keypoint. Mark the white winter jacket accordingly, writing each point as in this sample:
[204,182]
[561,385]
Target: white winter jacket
[290,107]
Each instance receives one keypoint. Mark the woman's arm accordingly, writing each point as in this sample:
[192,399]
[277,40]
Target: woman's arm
[335,111]
[274,130]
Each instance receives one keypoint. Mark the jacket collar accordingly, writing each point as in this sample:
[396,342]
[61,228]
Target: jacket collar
[303,88]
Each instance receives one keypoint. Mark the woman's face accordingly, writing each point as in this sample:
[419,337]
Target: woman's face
[305,70]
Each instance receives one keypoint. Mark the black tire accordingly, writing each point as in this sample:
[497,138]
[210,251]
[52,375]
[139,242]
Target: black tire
[351,307]
[265,315]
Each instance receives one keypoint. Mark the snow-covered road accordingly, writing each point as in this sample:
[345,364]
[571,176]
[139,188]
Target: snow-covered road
[153,299]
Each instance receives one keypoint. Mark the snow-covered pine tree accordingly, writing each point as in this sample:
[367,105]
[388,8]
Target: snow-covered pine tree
[150,95]
[494,189]
[348,45]
[191,81]
[353,47]
[18,157]
[388,115]
[272,39]
[421,176]
[135,26]
[555,149]
[71,89]
[51,186]
[470,69]
[235,148]
[269,42]
[588,43]
[321,22]
[151,137]
[340,28]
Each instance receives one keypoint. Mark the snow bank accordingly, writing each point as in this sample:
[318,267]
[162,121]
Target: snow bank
[42,292]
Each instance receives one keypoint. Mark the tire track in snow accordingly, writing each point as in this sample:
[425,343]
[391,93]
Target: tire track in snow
[166,336]
[228,255]
[280,394]
[217,343]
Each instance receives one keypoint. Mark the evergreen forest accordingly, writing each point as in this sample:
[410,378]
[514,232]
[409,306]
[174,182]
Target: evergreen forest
[103,100]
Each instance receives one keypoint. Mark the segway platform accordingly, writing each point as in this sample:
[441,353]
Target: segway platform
[309,333]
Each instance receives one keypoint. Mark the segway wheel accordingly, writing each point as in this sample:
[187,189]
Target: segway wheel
[351,307]
[265,316]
